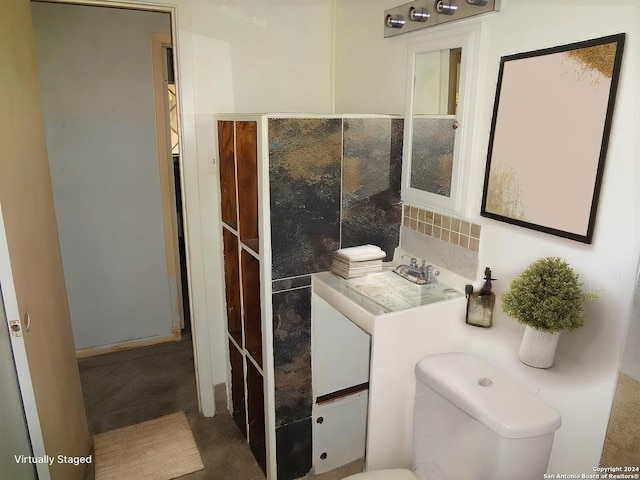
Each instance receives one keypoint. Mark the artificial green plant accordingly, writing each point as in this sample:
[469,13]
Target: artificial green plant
[547,296]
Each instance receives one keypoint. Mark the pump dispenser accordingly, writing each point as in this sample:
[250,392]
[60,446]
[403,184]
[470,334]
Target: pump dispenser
[480,304]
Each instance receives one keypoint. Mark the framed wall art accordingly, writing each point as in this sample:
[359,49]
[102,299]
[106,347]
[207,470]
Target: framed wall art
[549,134]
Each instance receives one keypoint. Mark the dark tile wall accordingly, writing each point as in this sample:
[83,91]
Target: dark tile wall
[371,177]
[293,389]
[310,166]
[292,354]
[304,177]
[294,449]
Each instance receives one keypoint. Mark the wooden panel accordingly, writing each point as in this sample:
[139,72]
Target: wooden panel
[227,173]
[251,304]
[29,216]
[256,415]
[247,157]
[232,285]
[237,388]
[167,180]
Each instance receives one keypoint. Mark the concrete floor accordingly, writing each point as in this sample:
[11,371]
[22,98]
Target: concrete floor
[132,386]
[623,433]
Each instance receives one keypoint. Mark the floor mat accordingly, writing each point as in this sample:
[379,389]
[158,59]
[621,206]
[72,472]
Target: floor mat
[159,449]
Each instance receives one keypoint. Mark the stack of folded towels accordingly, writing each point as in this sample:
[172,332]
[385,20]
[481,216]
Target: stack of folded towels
[357,261]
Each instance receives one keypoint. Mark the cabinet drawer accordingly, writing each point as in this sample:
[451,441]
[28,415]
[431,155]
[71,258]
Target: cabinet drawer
[339,432]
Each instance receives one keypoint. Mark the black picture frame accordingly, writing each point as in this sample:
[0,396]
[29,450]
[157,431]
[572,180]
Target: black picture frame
[549,136]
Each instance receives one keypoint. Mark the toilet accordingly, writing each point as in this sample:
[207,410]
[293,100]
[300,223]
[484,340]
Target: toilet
[473,423]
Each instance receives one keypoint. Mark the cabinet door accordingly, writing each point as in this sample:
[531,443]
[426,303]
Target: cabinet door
[340,350]
[339,432]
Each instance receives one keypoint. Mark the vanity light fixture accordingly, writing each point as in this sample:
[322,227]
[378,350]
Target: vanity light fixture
[419,14]
[428,13]
[446,7]
[395,21]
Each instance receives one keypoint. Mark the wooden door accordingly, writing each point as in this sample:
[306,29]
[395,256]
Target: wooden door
[26,202]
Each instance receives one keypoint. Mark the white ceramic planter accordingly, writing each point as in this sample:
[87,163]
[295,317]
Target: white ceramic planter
[538,348]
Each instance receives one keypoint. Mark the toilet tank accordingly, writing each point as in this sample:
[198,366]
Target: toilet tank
[472,422]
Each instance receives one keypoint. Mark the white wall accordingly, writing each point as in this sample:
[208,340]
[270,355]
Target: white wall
[277,57]
[370,77]
[631,355]
[239,57]
[95,75]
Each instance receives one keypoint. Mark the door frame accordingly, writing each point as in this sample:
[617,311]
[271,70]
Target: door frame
[203,328]
[20,357]
[167,180]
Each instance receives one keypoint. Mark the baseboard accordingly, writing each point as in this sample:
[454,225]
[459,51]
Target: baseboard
[116,347]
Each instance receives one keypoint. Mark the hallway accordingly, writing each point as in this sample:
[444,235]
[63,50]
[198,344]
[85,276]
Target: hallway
[132,386]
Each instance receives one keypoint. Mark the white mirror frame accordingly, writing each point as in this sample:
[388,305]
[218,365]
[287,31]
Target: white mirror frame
[468,38]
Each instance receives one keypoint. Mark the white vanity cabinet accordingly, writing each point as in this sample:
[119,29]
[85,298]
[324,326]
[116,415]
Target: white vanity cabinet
[405,323]
[340,363]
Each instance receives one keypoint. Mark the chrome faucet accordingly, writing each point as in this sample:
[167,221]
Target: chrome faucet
[417,274]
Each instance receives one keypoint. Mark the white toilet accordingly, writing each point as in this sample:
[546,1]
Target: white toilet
[473,423]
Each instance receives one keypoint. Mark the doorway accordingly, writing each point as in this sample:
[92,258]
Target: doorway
[126,284]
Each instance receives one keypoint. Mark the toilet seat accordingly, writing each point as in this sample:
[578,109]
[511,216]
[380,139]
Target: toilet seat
[395,474]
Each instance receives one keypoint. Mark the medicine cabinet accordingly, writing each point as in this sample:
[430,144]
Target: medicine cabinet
[441,90]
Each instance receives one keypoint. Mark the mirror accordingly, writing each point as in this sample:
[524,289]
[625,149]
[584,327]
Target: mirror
[436,87]
[439,100]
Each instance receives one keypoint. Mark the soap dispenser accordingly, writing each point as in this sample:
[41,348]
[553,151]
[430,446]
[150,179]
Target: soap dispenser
[480,304]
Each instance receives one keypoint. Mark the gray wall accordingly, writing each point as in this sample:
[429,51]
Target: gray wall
[95,76]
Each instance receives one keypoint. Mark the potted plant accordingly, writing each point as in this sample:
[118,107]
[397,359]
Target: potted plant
[548,299]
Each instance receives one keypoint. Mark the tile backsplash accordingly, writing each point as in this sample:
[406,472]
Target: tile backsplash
[448,229]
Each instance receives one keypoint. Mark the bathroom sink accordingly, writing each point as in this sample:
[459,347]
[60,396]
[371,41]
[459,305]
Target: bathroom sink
[406,322]
[364,298]
[394,293]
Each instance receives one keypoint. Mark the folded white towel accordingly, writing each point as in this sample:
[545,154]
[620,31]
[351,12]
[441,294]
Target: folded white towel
[361,253]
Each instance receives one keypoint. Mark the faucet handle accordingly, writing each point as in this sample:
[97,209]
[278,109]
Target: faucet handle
[429,273]
[414,262]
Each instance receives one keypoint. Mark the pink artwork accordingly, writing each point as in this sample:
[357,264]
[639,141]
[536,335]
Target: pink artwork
[549,135]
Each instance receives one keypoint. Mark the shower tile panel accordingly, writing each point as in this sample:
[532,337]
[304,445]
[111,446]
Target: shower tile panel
[294,449]
[292,355]
[372,170]
[304,178]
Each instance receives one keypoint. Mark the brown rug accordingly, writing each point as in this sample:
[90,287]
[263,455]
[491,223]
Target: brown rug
[623,433]
[159,449]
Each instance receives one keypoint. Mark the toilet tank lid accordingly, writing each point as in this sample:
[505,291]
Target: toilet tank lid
[488,395]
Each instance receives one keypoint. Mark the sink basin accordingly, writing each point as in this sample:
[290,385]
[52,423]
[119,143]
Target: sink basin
[364,298]
[394,293]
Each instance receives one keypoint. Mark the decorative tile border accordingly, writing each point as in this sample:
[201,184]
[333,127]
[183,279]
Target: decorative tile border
[443,227]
